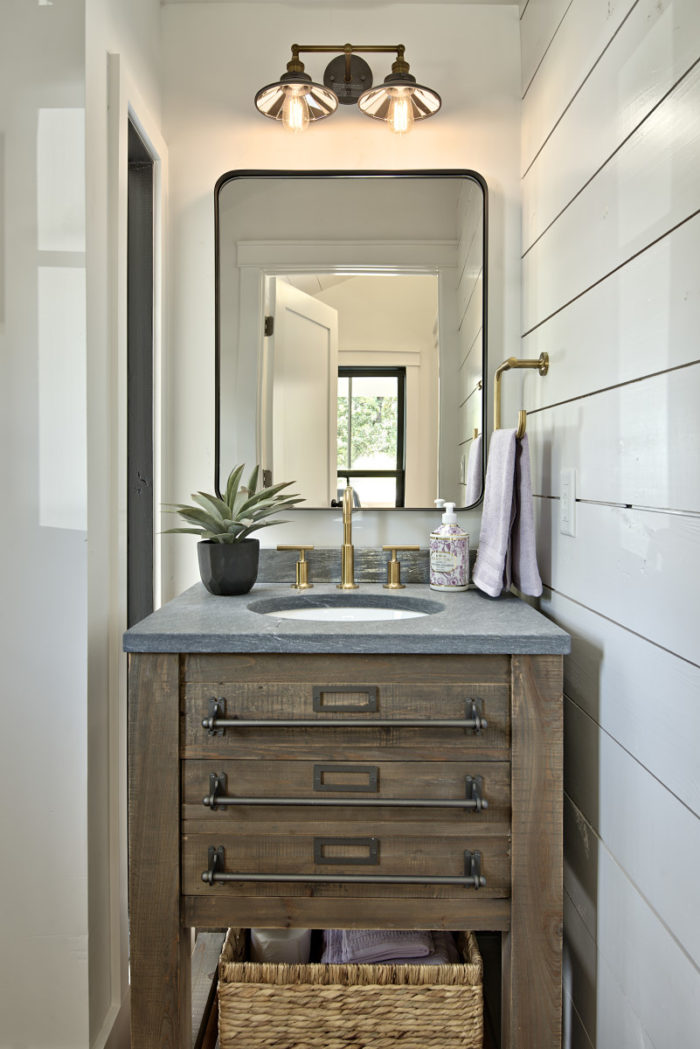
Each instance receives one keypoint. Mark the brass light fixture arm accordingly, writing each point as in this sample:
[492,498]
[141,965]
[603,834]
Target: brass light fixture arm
[349,49]
[295,65]
[542,365]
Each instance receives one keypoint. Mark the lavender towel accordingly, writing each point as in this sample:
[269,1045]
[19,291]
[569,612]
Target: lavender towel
[507,541]
[375,945]
[524,571]
[332,947]
[444,952]
[474,479]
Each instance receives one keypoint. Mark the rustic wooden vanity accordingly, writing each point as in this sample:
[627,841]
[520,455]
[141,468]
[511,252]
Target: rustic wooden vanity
[380,776]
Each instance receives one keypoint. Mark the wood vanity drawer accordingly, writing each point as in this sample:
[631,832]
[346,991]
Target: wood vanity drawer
[344,706]
[443,717]
[325,786]
[374,850]
[230,668]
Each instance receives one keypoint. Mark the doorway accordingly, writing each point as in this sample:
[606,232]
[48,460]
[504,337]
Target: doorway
[140,336]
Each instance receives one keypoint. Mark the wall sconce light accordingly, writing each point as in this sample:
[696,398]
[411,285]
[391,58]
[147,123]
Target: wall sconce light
[297,101]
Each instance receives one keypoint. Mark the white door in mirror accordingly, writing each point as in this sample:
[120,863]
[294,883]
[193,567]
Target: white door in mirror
[303,394]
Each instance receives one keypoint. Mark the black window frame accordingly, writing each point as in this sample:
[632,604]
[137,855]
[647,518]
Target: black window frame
[359,372]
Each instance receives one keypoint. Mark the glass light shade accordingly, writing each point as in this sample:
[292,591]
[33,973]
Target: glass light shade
[399,101]
[296,101]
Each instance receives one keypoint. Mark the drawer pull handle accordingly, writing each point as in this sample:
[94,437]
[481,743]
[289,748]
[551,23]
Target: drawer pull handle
[474,801]
[473,878]
[217,722]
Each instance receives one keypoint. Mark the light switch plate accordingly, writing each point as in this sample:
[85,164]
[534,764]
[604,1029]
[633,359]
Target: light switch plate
[567,501]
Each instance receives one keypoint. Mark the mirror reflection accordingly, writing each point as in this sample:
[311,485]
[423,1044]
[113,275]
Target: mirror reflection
[350,339]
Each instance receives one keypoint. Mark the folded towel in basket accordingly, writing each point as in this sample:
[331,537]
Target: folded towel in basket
[332,947]
[444,952]
[365,946]
[369,946]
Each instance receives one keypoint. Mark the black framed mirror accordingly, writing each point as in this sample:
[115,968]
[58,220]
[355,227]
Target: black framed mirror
[330,285]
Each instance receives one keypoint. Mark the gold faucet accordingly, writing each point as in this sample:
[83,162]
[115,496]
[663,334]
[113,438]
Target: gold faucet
[347,553]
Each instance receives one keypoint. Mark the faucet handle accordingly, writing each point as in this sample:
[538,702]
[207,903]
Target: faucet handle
[393,567]
[302,580]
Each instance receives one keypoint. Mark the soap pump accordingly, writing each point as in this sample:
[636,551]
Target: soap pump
[449,552]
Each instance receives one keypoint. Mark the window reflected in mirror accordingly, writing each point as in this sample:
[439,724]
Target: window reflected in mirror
[371,435]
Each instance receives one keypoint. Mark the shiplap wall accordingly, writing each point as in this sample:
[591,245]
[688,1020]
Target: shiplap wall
[611,290]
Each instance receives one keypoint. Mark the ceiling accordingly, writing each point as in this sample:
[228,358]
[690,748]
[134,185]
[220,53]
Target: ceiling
[356,3]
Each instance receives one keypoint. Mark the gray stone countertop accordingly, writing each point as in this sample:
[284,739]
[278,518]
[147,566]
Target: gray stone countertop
[467,622]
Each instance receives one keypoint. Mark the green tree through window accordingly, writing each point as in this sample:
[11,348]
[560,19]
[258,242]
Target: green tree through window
[372,438]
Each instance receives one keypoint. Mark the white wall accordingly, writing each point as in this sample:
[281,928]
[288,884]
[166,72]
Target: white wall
[122,70]
[43,743]
[62,915]
[215,58]
[611,290]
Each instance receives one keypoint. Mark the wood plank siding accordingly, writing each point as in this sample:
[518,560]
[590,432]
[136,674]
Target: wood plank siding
[611,290]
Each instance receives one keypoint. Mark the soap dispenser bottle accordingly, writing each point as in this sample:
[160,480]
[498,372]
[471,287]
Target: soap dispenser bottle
[449,552]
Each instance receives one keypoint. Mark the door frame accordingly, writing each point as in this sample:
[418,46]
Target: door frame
[125,103]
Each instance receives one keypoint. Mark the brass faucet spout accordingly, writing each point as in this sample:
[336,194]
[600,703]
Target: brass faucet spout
[347,515]
[347,553]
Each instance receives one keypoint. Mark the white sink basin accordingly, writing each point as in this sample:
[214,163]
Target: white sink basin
[347,613]
[344,608]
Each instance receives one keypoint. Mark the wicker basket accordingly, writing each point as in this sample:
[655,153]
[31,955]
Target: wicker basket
[318,1006]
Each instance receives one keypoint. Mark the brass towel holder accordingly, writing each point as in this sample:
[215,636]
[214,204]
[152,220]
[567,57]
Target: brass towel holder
[542,365]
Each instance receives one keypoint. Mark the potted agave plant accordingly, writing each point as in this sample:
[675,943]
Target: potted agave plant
[228,558]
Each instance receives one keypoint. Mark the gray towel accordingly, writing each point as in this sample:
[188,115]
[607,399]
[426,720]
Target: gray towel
[523,548]
[332,947]
[507,540]
[444,952]
[375,945]
[474,479]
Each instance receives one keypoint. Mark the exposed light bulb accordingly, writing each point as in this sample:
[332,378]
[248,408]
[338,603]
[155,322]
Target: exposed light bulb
[400,115]
[295,110]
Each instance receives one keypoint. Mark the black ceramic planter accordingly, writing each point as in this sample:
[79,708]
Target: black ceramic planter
[228,568]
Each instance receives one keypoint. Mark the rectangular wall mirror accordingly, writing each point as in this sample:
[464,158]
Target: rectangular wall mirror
[351,333]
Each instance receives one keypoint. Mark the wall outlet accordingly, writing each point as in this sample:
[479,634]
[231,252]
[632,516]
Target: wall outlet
[567,501]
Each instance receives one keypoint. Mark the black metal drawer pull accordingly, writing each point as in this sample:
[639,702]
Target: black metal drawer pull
[217,722]
[473,878]
[472,802]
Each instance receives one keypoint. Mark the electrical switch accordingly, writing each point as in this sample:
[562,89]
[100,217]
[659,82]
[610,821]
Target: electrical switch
[567,501]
